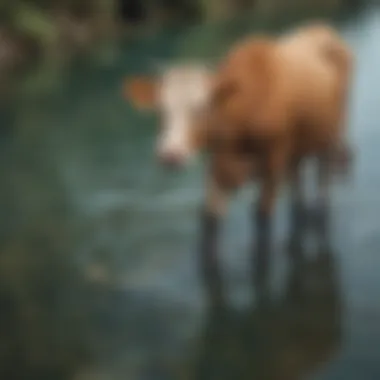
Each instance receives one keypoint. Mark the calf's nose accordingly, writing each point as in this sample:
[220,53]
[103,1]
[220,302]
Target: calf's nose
[171,159]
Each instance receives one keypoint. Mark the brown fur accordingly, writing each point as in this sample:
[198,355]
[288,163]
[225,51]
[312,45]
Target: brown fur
[286,98]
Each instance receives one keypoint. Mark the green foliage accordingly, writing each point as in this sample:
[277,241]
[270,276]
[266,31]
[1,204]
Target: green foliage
[35,22]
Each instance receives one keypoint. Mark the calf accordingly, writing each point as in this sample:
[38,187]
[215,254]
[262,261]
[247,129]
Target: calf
[270,104]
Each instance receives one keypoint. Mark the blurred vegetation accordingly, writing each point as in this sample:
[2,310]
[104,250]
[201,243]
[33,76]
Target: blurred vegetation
[50,27]
[57,28]
[53,32]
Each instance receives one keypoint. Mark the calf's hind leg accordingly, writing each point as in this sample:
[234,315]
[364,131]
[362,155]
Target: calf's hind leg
[322,206]
[273,168]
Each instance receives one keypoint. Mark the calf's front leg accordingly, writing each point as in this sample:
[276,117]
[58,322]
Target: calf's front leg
[212,213]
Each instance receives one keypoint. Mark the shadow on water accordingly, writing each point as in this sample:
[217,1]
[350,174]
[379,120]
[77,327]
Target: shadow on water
[97,271]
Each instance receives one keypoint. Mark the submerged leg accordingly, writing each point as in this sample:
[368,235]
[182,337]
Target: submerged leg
[298,211]
[297,196]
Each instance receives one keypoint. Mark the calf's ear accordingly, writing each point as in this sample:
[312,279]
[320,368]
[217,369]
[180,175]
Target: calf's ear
[141,92]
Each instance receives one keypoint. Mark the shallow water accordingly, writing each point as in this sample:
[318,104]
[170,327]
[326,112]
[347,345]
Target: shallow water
[98,268]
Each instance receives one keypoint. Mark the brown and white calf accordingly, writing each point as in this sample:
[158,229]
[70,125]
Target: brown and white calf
[270,104]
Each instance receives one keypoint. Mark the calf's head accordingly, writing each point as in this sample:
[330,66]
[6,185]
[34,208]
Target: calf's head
[180,95]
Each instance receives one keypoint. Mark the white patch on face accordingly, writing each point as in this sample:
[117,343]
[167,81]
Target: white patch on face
[183,93]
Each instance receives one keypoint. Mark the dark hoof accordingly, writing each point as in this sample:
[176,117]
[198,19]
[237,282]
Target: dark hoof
[344,162]
[299,216]
[322,218]
[294,246]
[208,238]
[263,229]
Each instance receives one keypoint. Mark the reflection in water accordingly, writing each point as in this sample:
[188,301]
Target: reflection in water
[286,338]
